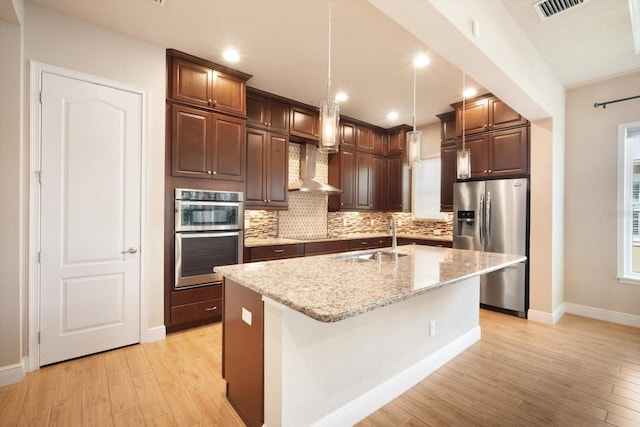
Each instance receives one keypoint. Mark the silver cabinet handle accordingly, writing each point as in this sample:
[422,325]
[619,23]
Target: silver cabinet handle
[215,307]
[130,251]
[279,251]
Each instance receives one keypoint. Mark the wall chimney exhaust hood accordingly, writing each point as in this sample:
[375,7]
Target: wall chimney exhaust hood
[308,182]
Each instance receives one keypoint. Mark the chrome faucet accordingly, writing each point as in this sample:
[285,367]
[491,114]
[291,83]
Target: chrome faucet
[393,228]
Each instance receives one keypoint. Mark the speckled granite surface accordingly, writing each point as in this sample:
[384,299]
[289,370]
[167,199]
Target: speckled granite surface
[329,290]
[253,241]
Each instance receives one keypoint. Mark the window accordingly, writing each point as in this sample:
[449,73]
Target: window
[629,203]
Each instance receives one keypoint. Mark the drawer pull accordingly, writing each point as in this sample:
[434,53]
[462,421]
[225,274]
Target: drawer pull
[364,243]
[211,308]
[279,251]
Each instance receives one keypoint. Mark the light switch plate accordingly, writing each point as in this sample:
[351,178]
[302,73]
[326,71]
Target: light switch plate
[246,316]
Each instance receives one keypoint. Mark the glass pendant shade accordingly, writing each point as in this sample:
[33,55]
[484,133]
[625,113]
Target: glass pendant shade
[414,143]
[329,127]
[464,164]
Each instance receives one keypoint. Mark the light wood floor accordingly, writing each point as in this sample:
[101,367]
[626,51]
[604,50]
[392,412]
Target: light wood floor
[581,372]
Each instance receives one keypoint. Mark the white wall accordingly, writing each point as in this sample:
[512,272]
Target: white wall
[51,38]
[11,207]
[590,197]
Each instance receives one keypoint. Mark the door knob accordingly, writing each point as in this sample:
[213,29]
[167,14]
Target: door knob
[130,251]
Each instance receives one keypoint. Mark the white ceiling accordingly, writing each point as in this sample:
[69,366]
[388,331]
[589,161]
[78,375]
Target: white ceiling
[284,44]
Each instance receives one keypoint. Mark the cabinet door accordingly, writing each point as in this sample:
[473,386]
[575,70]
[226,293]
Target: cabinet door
[190,142]
[479,155]
[347,179]
[397,142]
[508,152]
[257,111]
[364,138]
[228,156]
[278,116]
[256,153]
[476,117]
[448,174]
[502,116]
[447,126]
[363,170]
[376,183]
[303,122]
[191,83]
[347,134]
[395,166]
[277,170]
[228,93]
[377,142]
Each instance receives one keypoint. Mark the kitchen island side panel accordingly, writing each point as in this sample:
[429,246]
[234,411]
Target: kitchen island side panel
[335,373]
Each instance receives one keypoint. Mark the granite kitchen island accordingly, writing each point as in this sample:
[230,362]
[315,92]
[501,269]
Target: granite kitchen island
[326,340]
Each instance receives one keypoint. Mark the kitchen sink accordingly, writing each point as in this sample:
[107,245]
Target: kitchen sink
[368,256]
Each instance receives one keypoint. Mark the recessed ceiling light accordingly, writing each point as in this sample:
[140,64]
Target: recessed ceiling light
[231,55]
[420,61]
[341,96]
[469,92]
[392,115]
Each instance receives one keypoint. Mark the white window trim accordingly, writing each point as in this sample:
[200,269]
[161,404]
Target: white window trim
[625,210]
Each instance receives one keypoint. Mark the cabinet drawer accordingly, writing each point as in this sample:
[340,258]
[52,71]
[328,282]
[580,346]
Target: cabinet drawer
[188,296]
[378,242]
[209,309]
[266,253]
[318,248]
[425,242]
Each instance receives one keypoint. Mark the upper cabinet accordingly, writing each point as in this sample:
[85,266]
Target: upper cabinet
[207,145]
[397,139]
[347,133]
[486,114]
[304,121]
[267,169]
[205,84]
[267,112]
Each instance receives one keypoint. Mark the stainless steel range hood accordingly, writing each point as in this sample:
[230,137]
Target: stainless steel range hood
[308,182]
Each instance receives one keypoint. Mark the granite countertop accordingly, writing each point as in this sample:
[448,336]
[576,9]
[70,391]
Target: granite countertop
[255,241]
[329,290]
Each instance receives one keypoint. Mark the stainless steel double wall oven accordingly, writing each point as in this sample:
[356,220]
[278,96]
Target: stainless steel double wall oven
[208,233]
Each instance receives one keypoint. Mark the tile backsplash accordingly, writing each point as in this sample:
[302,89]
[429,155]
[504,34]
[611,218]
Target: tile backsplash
[307,216]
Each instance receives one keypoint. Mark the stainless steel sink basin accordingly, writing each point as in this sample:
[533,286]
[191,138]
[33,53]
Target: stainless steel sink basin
[369,256]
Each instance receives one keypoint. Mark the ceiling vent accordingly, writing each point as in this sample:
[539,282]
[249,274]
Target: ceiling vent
[159,2]
[548,8]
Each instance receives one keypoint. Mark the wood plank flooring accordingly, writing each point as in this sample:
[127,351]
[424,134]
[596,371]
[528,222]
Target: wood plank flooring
[582,372]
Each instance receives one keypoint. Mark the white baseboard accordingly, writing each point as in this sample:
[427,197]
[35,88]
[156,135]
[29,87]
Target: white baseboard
[157,333]
[540,317]
[384,393]
[12,374]
[602,314]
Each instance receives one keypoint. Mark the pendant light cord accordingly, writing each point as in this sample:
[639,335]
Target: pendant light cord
[329,61]
[464,111]
[414,98]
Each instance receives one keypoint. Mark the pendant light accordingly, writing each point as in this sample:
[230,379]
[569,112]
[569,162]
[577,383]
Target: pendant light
[329,112]
[414,138]
[464,155]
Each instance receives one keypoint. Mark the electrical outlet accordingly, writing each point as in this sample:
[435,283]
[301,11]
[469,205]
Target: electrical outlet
[371,222]
[344,222]
[399,222]
[247,223]
[436,232]
[432,328]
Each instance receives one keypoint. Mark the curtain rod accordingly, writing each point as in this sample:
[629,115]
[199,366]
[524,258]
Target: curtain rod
[604,104]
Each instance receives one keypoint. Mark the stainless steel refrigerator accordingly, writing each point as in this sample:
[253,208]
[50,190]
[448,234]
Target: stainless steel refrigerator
[493,216]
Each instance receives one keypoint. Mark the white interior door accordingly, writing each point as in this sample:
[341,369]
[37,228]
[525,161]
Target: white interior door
[91,139]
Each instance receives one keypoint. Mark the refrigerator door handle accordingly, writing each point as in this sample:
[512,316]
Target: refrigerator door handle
[481,219]
[487,218]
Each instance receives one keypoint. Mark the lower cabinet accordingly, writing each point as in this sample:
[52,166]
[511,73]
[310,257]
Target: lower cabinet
[372,243]
[191,307]
[268,253]
[243,350]
[426,242]
[330,247]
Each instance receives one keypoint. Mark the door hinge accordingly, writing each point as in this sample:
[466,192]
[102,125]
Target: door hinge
[40,97]
[39,175]
[38,257]
[38,337]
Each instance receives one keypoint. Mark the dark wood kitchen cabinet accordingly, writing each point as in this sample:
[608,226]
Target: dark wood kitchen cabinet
[347,133]
[267,169]
[370,243]
[342,174]
[503,153]
[272,252]
[485,114]
[267,112]
[205,84]
[369,139]
[369,181]
[397,139]
[304,121]
[207,145]
[448,175]
[398,184]
[195,306]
